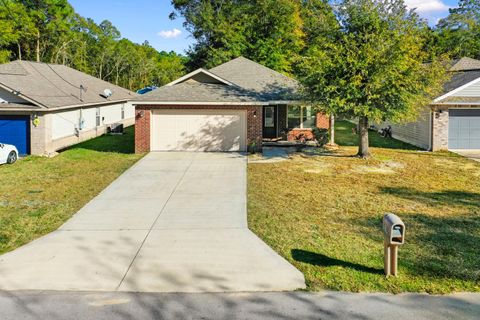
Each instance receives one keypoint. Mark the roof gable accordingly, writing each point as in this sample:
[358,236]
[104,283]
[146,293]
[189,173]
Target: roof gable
[465,64]
[254,76]
[201,76]
[56,86]
[237,81]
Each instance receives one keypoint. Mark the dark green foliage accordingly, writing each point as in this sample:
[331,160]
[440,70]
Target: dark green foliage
[459,33]
[271,32]
[321,135]
[50,31]
[374,67]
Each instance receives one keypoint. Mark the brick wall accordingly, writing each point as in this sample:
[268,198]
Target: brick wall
[142,123]
[323,121]
[440,128]
[142,129]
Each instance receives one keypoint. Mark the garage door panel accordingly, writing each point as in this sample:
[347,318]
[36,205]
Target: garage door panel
[15,130]
[464,129]
[199,130]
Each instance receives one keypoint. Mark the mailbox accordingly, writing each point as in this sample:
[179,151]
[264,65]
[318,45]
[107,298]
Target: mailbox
[394,232]
[394,229]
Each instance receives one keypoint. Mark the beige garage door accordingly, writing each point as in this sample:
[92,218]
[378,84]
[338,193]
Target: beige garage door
[198,130]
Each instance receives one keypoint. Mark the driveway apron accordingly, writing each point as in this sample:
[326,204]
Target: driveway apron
[174,222]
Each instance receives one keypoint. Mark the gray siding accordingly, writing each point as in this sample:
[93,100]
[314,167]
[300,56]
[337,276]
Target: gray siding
[416,133]
[470,91]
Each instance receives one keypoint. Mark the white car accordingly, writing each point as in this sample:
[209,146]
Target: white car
[8,153]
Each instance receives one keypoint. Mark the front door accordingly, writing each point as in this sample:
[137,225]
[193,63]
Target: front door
[269,122]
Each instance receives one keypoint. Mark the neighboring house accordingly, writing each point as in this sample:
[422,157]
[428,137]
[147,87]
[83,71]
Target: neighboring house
[451,121]
[47,107]
[226,108]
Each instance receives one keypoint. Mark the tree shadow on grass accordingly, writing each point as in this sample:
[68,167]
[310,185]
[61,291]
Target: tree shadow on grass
[318,259]
[439,247]
[440,198]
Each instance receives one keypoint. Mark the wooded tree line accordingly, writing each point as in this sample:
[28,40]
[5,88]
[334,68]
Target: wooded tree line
[277,33]
[51,31]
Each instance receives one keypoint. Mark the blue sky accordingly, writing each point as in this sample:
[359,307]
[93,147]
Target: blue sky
[142,20]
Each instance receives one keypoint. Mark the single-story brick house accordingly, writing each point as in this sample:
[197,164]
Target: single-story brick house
[47,107]
[451,121]
[227,108]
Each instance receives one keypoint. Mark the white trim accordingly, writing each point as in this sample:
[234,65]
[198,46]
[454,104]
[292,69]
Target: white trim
[201,70]
[152,122]
[430,131]
[457,103]
[213,103]
[301,117]
[448,94]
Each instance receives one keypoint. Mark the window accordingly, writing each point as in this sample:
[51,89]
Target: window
[300,117]
[97,117]
[269,121]
[123,111]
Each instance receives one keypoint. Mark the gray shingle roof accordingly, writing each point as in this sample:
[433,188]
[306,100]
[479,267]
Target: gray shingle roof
[256,77]
[54,86]
[465,64]
[459,79]
[252,82]
[191,91]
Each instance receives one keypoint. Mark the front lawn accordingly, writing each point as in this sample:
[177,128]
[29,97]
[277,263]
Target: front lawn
[323,214]
[37,195]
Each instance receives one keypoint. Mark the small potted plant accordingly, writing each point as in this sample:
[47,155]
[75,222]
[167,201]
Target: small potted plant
[252,147]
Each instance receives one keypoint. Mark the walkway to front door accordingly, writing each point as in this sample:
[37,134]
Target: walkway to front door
[174,222]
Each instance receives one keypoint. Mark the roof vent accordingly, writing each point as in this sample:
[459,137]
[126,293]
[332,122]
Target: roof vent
[107,93]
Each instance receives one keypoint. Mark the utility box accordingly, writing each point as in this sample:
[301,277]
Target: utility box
[394,235]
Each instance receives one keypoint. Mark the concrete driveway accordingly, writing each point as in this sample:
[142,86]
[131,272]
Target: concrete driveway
[471,154]
[174,222]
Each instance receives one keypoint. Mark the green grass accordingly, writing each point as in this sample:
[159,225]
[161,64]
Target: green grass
[37,195]
[345,137]
[324,214]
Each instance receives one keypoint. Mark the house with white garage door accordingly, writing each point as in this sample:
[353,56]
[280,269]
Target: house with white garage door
[231,107]
[47,107]
[451,121]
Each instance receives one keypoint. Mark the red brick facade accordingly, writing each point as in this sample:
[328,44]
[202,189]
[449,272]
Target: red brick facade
[322,121]
[254,123]
[142,129]
[142,122]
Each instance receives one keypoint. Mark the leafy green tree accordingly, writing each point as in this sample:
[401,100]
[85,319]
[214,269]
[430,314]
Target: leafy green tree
[459,32]
[169,67]
[267,31]
[374,67]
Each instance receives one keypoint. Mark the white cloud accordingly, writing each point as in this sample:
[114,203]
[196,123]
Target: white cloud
[170,34]
[427,6]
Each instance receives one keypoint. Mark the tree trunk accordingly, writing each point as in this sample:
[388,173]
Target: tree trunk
[37,49]
[363,137]
[332,130]
[19,51]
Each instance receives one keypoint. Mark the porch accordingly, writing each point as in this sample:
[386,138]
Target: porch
[290,125]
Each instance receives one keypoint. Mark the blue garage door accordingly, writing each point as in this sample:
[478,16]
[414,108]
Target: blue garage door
[464,129]
[16,130]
